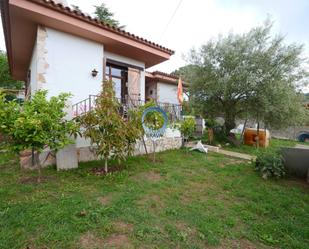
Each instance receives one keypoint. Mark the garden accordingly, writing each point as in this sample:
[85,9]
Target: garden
[173,199]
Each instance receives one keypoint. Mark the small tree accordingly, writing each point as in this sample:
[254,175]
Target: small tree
[187,127]
[110,134]
[105,15]
[38,124]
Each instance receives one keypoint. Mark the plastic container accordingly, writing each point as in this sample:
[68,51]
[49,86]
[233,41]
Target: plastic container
[250,137]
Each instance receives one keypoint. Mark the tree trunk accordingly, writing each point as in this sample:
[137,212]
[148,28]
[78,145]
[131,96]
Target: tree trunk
[258,135]
[243,131]
[144,145]
[32,157]
[105,167]
[229,124]
[38,163]
[210,135]
[154,150]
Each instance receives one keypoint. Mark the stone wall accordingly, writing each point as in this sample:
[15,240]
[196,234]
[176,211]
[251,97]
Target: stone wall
[42,52]
[85,154]
[289,133]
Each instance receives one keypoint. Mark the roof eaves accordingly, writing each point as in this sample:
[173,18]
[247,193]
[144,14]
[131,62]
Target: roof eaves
[6,30]
[85,17]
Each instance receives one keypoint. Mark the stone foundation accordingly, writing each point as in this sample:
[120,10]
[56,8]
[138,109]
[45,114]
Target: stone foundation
[25,159]
[85,154]
[161,144]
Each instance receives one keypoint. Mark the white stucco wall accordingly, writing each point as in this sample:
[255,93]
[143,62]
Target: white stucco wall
[63,63]
[151,90]
[70,62]
[130,61]
[33,69]
[167,93]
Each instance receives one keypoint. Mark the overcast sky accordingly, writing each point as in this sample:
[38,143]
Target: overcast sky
[197,21]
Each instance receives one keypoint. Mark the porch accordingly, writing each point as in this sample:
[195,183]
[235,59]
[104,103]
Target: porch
[174,111]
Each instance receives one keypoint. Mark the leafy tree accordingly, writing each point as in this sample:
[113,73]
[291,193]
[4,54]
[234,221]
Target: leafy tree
[185,72]
[187,127]
[38,124]
[106,16]
[76,8]
[110,134]
[248,76]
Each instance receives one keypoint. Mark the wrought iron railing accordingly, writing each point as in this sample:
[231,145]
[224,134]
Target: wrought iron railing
[173,111]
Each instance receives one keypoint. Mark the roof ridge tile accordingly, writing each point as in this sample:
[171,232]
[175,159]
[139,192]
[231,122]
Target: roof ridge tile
[87,17]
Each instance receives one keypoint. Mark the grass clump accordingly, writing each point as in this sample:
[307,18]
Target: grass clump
[270,164]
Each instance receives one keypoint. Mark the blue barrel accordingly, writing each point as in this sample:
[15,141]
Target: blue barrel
[303,136]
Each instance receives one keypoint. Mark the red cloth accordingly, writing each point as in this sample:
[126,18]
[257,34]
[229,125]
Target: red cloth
[180,92]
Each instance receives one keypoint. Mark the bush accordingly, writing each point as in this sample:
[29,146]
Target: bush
[270,164]
[187,127]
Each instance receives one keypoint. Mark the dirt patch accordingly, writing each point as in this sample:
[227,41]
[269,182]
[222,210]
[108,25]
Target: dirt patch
[240,244]
[154,201]
[210,158]
[230,162]
[157,159]
[150,176]
[297,182]
[185,228]
[196,191]
[105,200]
[117,241]
[90,241]
[34,179]
[100,171]
[186,198]
[122,227]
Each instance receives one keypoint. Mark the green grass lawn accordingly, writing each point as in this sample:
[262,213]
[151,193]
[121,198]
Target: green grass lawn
[185,201]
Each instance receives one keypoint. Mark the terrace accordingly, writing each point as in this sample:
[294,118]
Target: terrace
[173,111]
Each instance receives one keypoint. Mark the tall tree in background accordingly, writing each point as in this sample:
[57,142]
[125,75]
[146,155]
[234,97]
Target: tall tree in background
[106,16]
[250,75]
[76,8]
[6,80]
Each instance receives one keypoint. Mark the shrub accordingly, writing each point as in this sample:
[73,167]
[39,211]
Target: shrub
[270,164]
[187,127]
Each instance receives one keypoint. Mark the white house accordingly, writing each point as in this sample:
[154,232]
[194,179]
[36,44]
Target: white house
[52,47]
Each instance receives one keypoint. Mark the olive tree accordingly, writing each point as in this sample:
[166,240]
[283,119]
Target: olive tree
[250,75]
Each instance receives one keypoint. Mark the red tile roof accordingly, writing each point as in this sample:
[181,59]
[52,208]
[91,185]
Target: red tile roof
[87,18]
[174,76]
[166,77]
